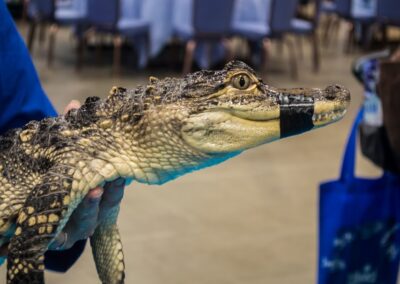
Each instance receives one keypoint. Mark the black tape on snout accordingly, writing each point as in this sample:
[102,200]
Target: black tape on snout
[296,117]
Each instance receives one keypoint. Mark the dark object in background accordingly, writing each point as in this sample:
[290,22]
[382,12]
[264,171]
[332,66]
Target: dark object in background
[304,2]
[376,147]
[16,8]
[389,93]
[381,144]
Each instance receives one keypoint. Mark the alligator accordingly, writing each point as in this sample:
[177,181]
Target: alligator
[151,134]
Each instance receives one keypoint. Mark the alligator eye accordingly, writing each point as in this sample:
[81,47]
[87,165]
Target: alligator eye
[241,82]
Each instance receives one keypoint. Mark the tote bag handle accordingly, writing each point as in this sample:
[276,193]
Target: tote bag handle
[349,159]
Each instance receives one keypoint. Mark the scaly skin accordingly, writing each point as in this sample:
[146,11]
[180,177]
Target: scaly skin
[152,134]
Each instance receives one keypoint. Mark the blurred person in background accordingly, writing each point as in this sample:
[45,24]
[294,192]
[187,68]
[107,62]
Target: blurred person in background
[388,91]
[22,99]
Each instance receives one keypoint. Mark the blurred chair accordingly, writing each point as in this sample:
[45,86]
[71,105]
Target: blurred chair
[332,21]
[345,10]
[40,14]
[389,12]
[350,10]
[67,12]
[105,16]
[280,24]
[211,23]
[302,27]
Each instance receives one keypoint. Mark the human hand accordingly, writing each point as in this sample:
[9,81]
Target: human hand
[95,207]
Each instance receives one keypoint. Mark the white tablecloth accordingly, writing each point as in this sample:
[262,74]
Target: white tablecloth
[364,8]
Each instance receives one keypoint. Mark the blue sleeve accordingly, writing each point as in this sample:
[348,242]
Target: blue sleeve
[22,99]
[21,96]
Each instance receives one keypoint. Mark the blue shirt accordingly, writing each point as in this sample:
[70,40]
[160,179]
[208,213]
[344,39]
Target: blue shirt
[21,96]
[22,99]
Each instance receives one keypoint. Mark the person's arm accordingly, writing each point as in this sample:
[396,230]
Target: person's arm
[22,99]
[21,96]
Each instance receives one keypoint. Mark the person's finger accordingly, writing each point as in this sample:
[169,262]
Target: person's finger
[82,222]
[72,105]
[95,193]
[84,218]
[113,194]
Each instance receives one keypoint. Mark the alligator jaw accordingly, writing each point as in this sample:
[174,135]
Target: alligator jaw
[282,113]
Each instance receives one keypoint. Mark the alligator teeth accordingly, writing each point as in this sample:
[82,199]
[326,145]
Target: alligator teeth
[332,115]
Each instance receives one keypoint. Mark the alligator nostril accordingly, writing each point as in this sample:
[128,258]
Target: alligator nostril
[330,95]
[332,92]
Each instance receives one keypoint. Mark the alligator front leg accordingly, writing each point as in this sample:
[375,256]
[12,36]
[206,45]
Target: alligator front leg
[26,268]
[107,251]
[37,224]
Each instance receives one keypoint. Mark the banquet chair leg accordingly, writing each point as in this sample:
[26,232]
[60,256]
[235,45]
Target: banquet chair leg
[80,49]
[25,10]
[189,53]
[117,55]
[80,53]
[42,33]
[299,39]
[350,39]
[52,40]
[279,47]
[31,35]
[326,29]
[384,32]
[316,52]
[147,47]
[148,44]
[266,44]
[329,29]
[292,59]
[208,47]
[335,29]
[99,47]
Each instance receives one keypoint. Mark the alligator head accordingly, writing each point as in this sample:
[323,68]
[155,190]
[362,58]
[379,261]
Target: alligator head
[173,126]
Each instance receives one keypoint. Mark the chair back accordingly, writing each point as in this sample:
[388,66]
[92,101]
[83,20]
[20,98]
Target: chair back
[212,17]
[103,13]
[42,10]
[389,11]
[282,13]
[343,8]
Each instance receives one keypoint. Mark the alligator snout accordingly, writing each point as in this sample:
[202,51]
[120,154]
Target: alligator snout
[302,109]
